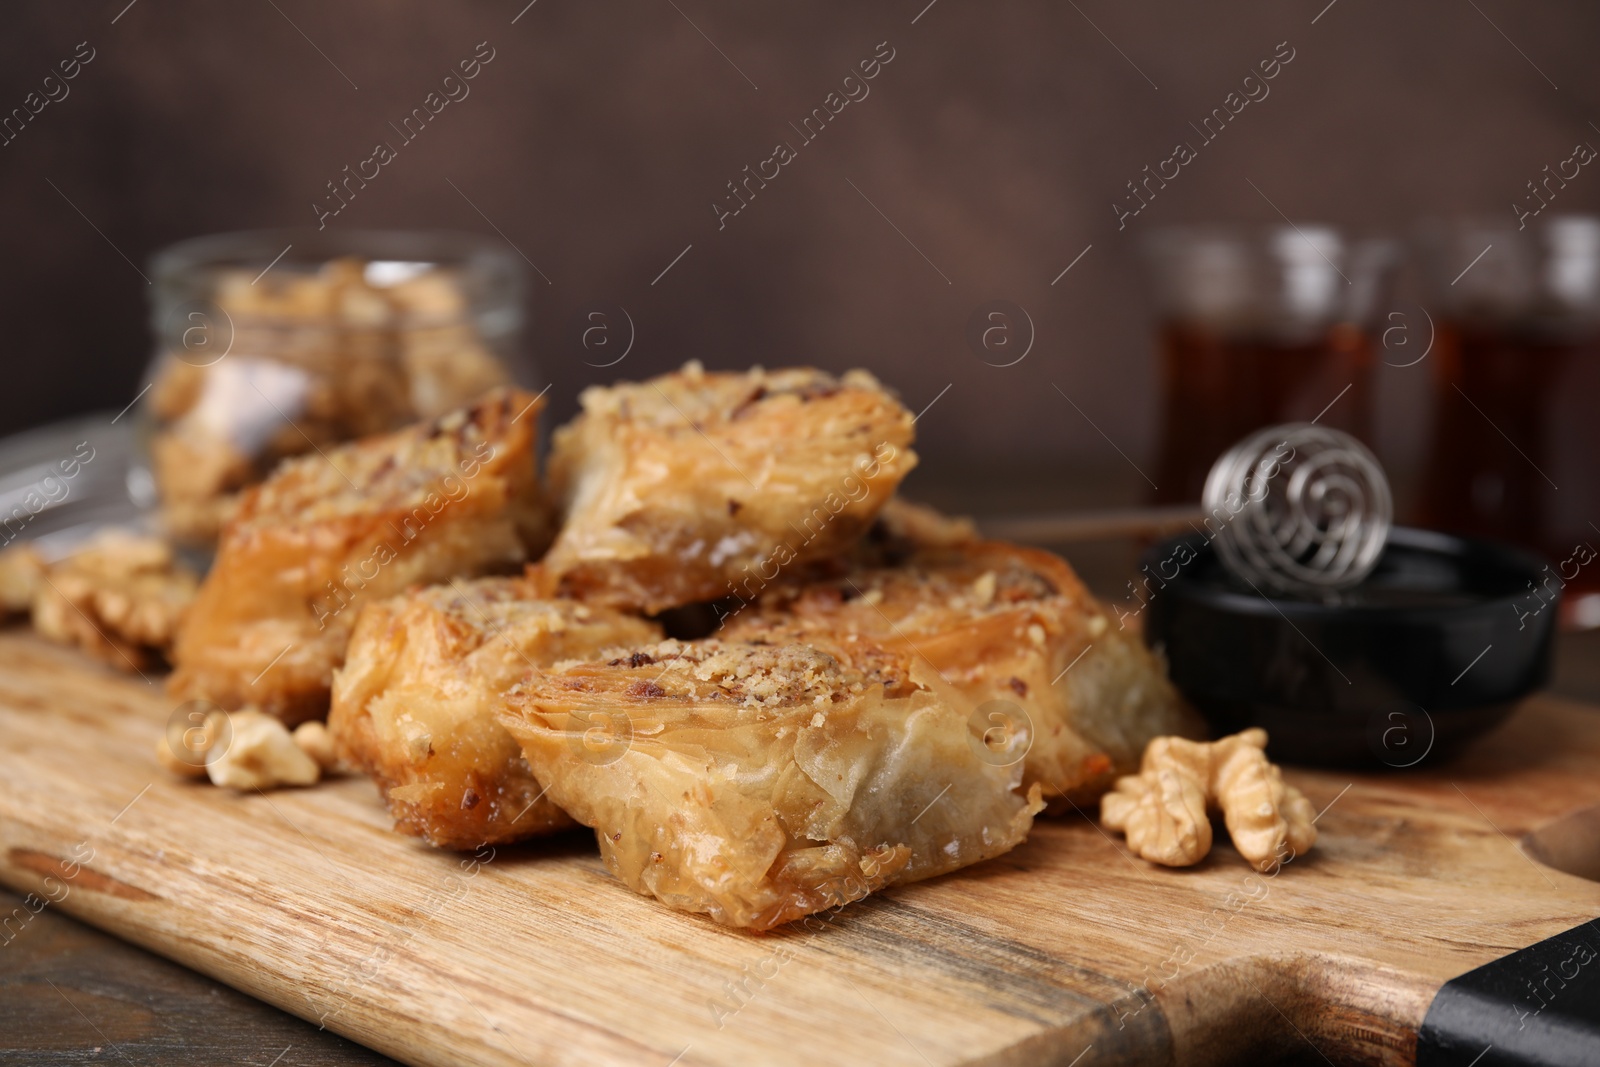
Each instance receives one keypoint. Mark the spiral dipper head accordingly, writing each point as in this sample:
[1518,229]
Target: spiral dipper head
[1304,510]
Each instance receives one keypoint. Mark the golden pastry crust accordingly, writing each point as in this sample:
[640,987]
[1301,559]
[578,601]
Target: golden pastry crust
[678,489]
[758,784]
[415,704]
[121,598]
[1014,631]
[455,497]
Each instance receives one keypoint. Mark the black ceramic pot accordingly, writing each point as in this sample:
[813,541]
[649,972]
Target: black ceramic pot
[1437,645]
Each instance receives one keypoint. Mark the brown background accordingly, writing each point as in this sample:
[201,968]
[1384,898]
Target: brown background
[601,133]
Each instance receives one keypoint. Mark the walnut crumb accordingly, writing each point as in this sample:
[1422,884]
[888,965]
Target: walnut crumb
[261,754]
[121,598]
[315,741]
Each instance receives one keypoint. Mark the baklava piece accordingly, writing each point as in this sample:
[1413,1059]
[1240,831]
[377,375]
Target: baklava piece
[1041,665]
[329,532]
[759,784]
[415,704]
[121,598]
[678,489]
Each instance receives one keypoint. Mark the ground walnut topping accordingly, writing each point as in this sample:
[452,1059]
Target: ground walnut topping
[775,675]
[1164,810]
[419,461]
[752,675]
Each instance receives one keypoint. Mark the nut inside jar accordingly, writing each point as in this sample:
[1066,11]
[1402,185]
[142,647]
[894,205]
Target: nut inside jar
[258,361]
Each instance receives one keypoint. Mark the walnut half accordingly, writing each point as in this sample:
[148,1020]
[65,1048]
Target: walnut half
[120,598]
[1164,809]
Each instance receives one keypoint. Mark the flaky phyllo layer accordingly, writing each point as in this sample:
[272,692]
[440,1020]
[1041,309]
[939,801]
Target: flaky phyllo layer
[691,486]
[758,783]
[415,704]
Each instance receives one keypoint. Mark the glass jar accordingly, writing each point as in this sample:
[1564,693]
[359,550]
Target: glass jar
[1515,377]
[1259,326]
[271,344]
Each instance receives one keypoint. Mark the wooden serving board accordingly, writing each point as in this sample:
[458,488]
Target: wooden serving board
[1065,951]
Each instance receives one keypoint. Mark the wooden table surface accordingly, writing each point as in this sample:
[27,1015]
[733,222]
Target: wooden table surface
[71,994]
